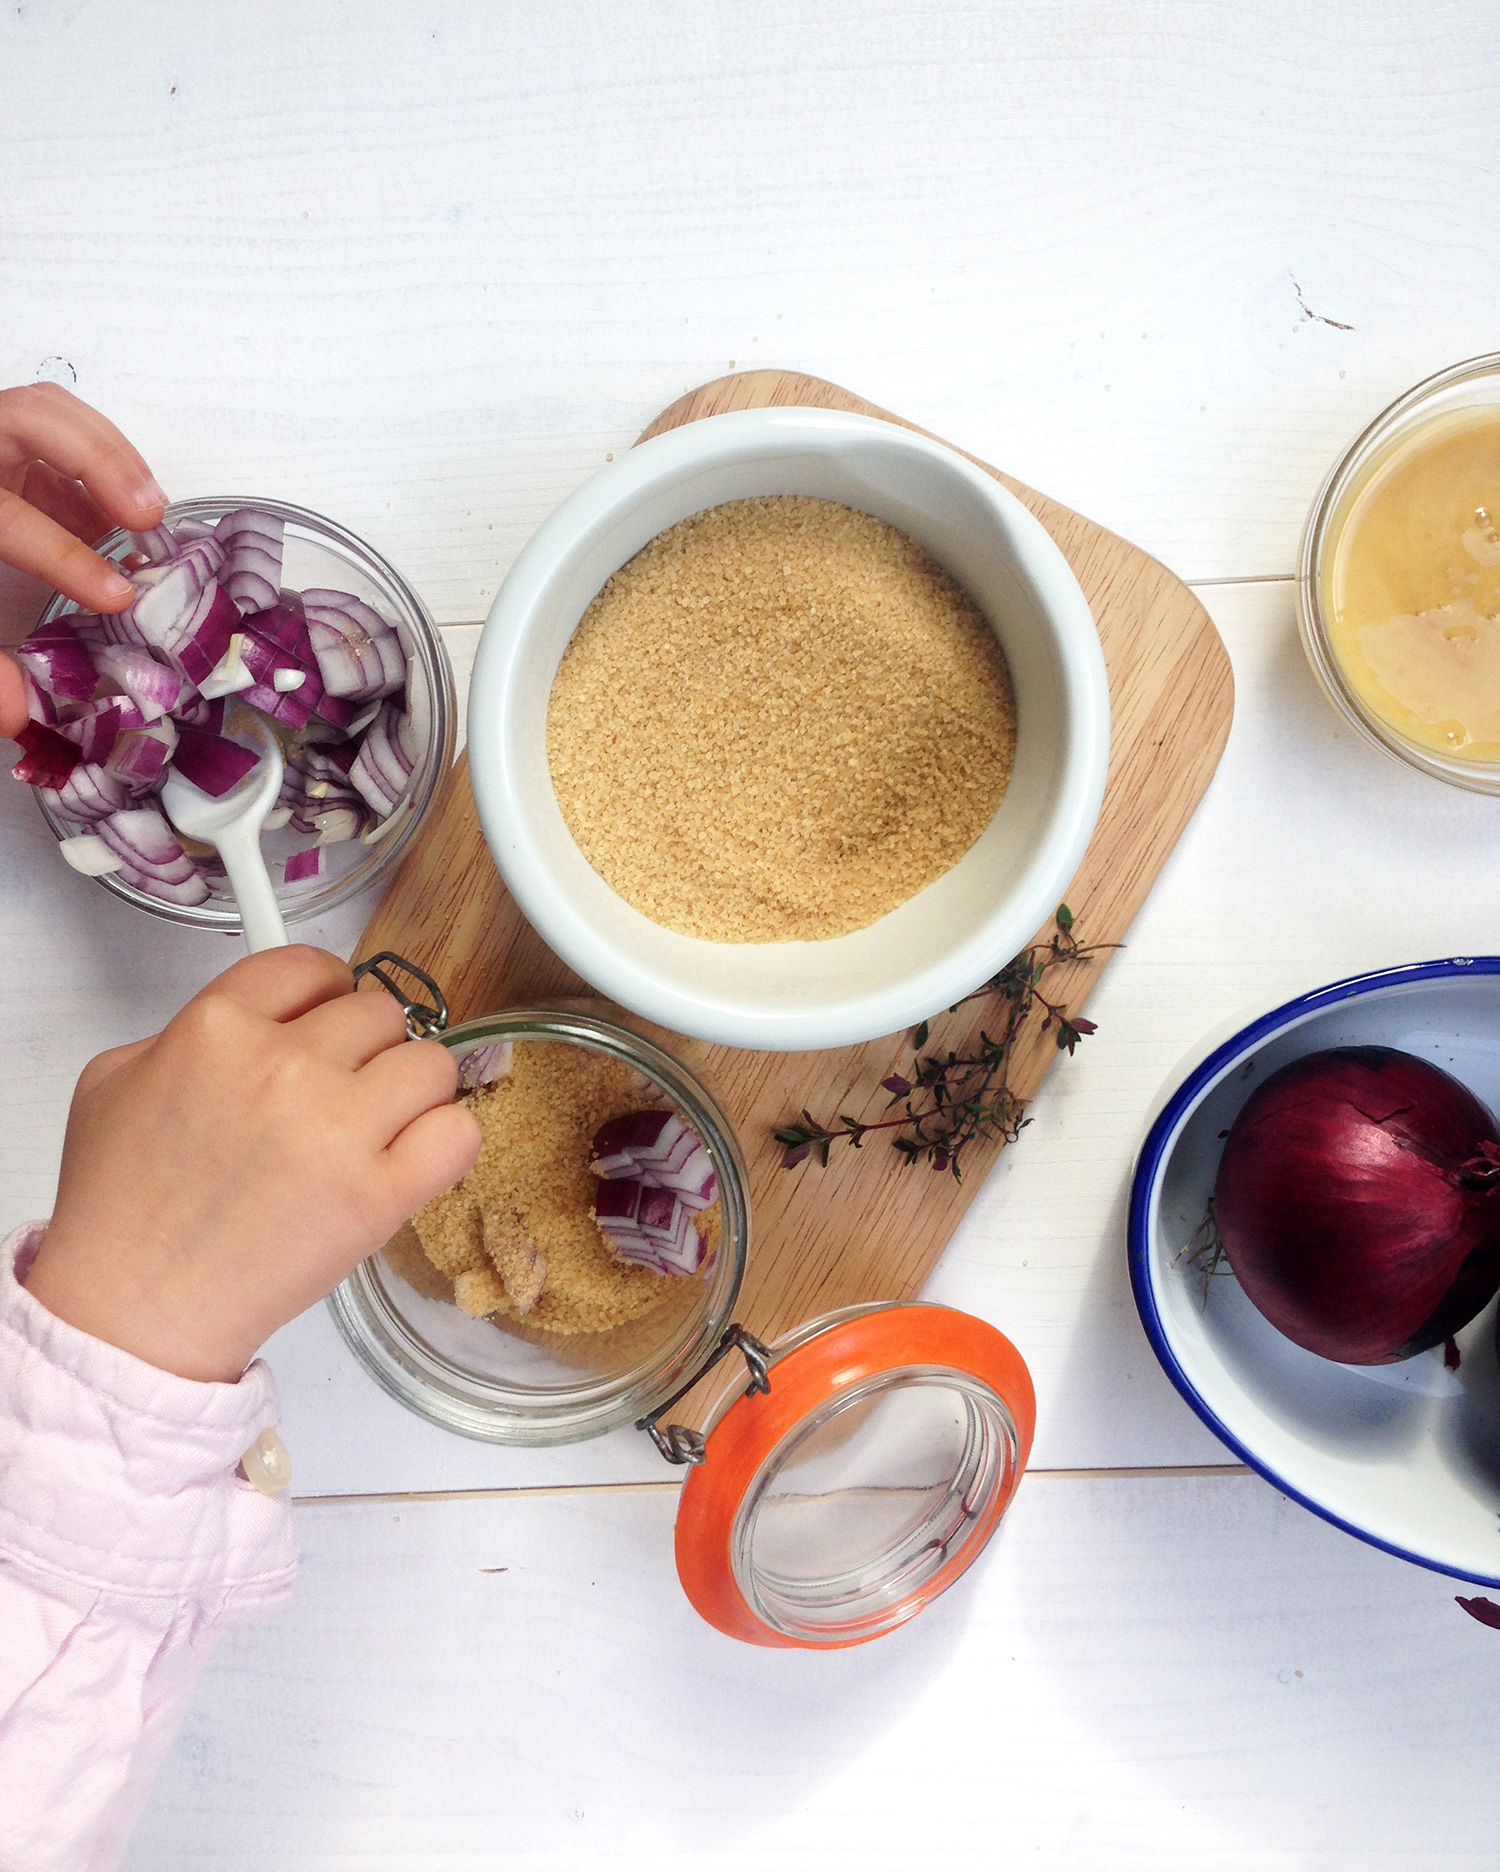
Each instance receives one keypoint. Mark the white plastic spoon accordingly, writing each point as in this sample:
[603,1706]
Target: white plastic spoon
[233,823]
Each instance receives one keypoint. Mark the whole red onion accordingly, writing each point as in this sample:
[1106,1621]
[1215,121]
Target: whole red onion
[1356,1202]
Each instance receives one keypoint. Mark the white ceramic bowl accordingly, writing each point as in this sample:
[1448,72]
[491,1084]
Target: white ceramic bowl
[1405,1456]
[950,937]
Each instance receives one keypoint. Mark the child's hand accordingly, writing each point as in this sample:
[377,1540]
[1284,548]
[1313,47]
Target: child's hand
[223,1176]
[66,476]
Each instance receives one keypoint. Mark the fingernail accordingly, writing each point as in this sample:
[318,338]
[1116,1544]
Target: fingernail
[151,494]
[118,586]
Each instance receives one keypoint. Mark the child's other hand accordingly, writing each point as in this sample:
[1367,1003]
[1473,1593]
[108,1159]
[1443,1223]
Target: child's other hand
[67,475]
[224,1175]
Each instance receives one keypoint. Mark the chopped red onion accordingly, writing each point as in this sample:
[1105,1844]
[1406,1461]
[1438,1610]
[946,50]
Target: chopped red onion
[155,689]
[140,757]
[148,845]
[166,597]
[190,891]
[483,1065]
[647,1226]
[276,818]
[384,827]
[251,572]
[40,707]
[55,657]
[303,864]
[338,825]
[287,708]
[96,726]
[158,545]
[283,687]
[359,655]
[116,628]
[88,854]
[230,674]
[89,793]
[213,763]
[207,553]
[46,758]
[658,1149]
[382,769]
[319,663]
[202,712]
[284,624]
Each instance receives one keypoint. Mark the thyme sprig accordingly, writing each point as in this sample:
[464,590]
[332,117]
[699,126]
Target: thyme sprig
[1203,1251]
[950,1100]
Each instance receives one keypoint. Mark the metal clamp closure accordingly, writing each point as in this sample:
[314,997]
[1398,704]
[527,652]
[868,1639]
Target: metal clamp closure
[422,1022]
[681,1445]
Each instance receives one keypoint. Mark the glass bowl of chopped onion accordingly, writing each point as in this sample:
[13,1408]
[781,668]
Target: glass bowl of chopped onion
[244,604]
[507,1312]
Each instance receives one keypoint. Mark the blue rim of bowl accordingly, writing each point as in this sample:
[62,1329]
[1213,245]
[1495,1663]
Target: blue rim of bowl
[1148,1168]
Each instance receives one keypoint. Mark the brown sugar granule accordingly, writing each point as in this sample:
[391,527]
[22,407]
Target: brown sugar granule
[517,1236]
[779,720]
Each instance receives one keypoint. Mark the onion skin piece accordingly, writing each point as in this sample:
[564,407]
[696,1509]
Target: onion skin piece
[46,758]
[1357,1204]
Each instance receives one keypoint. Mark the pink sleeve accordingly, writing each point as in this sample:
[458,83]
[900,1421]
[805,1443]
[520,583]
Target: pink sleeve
[127,1543]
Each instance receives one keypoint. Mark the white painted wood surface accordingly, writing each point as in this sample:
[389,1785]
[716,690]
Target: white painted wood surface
[1173,1674]
[423,268]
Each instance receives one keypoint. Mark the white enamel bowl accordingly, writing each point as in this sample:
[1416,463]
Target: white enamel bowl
[1405,1456]
[928,951]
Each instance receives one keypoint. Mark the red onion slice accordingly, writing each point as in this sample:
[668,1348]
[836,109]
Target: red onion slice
[254,544]
[302,865]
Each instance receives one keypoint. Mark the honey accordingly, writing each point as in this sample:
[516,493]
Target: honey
[1411,586]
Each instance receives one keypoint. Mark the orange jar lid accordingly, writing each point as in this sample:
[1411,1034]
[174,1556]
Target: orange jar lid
[833,1507]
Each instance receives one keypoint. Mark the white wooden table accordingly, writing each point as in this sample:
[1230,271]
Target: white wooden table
[423,268]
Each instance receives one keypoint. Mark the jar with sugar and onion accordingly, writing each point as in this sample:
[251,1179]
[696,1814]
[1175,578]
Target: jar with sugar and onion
[846,1474]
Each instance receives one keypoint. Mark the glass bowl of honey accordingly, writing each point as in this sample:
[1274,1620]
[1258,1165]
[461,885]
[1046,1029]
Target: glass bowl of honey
[1399,578]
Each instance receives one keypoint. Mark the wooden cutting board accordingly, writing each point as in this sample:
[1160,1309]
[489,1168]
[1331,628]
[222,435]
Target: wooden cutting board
[867,1227]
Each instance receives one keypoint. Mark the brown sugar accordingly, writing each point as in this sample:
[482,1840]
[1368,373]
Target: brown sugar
[517,1236]
[779,720]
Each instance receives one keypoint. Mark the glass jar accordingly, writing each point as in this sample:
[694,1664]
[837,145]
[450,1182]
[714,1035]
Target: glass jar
[1471,386]
[318,553]
[859,1473]
[503,1382]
